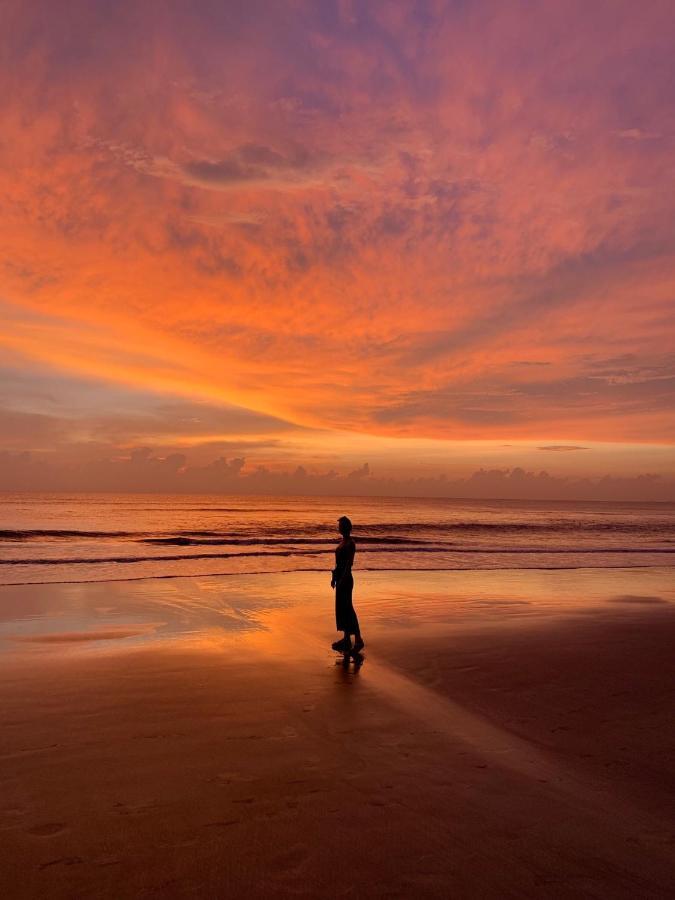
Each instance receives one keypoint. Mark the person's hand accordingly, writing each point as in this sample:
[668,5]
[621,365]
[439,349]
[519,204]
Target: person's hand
[332,582]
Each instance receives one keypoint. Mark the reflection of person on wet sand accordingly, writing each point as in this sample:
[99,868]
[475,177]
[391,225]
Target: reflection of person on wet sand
[343,582]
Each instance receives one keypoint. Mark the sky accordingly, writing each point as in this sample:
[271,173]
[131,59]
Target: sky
[343,247]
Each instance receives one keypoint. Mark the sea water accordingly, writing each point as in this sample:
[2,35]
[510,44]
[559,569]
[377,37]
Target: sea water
[106,537]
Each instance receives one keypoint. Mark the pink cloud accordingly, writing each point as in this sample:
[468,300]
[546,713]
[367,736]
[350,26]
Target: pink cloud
[360,217]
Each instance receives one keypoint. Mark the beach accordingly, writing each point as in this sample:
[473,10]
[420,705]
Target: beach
[507,736]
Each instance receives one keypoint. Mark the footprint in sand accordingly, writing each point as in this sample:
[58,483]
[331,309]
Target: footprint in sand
[47,830]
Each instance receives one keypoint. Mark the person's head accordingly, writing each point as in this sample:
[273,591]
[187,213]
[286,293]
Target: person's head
[344,526]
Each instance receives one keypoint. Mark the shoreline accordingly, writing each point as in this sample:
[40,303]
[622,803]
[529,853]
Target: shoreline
[326,568]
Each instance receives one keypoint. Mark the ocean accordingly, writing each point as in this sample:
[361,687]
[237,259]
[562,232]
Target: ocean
[75,538]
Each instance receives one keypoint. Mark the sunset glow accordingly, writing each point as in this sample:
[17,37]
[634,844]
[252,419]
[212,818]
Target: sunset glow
[354,244]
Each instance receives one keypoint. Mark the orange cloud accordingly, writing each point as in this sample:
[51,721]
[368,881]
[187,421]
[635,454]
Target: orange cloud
[394,219]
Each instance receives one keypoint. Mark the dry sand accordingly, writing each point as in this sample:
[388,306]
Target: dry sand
[486,756]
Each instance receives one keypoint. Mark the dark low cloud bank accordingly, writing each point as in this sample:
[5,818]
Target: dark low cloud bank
[143,472]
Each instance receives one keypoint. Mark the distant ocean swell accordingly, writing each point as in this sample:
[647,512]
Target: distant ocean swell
[369,533]
[63,538]
[171,575]
[508,551]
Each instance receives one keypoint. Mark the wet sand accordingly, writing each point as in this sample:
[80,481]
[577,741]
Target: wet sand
[503,739]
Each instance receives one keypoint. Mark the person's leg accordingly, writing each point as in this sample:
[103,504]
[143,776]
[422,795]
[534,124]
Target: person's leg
[344,615]
[358,640]
[351,619]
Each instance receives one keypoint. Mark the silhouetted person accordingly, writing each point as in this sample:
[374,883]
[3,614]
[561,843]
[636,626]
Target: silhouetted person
[343,582]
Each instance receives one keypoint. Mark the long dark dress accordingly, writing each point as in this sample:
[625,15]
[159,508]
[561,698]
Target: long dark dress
[345,617]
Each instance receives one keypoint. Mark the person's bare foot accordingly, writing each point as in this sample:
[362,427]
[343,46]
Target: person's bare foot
[359,644]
